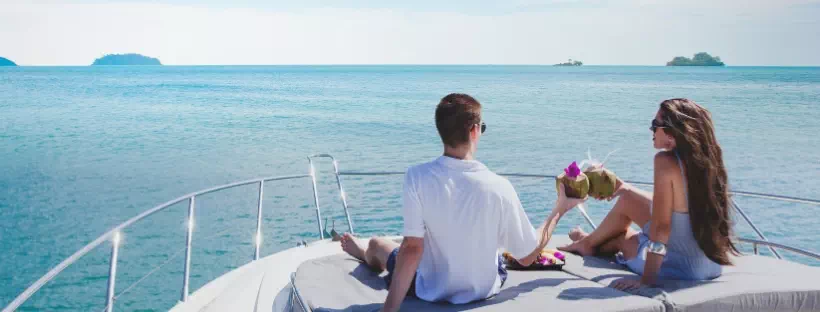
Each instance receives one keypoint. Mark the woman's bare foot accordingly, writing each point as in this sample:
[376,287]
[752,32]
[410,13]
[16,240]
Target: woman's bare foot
[352,247]
[580,247]
[577,234]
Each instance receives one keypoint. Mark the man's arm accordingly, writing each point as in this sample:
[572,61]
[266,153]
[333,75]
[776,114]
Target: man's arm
[562,205]
[545,231]
[407,262]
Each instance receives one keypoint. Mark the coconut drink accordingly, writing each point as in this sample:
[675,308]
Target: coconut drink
[602,182]
[576,183]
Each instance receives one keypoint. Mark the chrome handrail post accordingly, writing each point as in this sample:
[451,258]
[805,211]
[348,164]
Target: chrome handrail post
[187,270]
[754,227]
[342,193]
[582,208]
[754,247]
[312,174]
[258,238]
[112,272]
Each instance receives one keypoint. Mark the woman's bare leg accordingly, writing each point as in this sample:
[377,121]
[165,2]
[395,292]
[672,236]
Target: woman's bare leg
[577,234]
[627,243]
[632,206]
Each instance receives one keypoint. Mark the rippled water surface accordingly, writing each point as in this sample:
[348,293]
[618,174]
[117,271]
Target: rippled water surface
[83,149]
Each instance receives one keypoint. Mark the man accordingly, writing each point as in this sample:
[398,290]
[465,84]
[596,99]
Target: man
[457,214]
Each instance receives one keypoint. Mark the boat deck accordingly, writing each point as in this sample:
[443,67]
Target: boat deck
[254,286]
[328,280]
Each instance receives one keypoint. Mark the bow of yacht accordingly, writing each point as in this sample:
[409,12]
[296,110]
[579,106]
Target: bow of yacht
[318,276]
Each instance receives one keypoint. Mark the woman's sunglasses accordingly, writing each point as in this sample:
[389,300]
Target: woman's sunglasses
[657,124]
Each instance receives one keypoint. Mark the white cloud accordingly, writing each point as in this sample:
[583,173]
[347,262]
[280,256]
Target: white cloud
[632,32]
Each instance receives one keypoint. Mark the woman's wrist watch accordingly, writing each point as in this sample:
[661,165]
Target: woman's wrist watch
[657,248]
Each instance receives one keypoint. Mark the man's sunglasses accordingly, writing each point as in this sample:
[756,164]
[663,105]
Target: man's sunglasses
[657,124]
[483,127]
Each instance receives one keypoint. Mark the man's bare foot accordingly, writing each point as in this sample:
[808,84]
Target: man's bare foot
[579,247]
[352,247]
[577,234]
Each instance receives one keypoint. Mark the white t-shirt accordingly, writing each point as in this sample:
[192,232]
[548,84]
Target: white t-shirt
[465,213]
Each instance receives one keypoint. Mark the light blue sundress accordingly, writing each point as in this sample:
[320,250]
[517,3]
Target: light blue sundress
[684,259]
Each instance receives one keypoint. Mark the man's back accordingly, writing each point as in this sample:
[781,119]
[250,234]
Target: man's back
[465,213]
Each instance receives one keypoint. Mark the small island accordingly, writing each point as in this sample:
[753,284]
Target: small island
[700,59]
[570,62]
[6,62]
[126,59]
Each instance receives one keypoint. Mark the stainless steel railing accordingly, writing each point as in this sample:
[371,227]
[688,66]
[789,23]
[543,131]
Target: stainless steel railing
[592,224]
[796,250]
[316,194]
[114,234]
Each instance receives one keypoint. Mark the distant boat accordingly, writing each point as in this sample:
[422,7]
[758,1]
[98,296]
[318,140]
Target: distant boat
[570,62]
[126,59]
[6,62]
[700,59]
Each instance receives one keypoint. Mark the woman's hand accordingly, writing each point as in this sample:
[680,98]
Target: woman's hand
[620,185]
[564,203]
[620,188]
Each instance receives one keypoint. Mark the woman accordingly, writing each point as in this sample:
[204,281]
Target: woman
[686,222]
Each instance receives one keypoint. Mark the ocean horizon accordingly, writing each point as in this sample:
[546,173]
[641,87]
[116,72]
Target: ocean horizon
[423,65]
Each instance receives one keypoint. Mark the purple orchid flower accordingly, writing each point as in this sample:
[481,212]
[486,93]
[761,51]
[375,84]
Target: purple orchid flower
[559,256]
[572,171]
[546,261]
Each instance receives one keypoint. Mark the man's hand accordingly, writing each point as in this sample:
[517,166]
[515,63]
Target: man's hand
[407,262]
[564,203]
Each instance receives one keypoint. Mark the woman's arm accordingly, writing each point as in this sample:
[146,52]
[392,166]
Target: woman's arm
[665,167]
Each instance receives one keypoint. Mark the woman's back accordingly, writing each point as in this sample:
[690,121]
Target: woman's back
[684,258]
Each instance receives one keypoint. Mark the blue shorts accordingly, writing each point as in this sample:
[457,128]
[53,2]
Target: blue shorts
[391,266]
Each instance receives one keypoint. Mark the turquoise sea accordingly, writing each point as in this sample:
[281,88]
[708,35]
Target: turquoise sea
[83,149]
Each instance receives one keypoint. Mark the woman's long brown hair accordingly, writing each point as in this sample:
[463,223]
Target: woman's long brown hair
[709,209]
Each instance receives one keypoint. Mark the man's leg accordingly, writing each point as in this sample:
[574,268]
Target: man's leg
[375,254]
[378,250]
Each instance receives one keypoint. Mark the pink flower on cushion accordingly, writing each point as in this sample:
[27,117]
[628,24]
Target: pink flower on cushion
[559,256]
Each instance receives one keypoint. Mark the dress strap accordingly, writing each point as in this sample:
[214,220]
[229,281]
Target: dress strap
[683,174]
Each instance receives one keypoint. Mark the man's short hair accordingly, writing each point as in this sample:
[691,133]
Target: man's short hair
[455,116]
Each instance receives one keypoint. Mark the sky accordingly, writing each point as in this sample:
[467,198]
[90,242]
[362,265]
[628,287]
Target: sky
[262,32]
